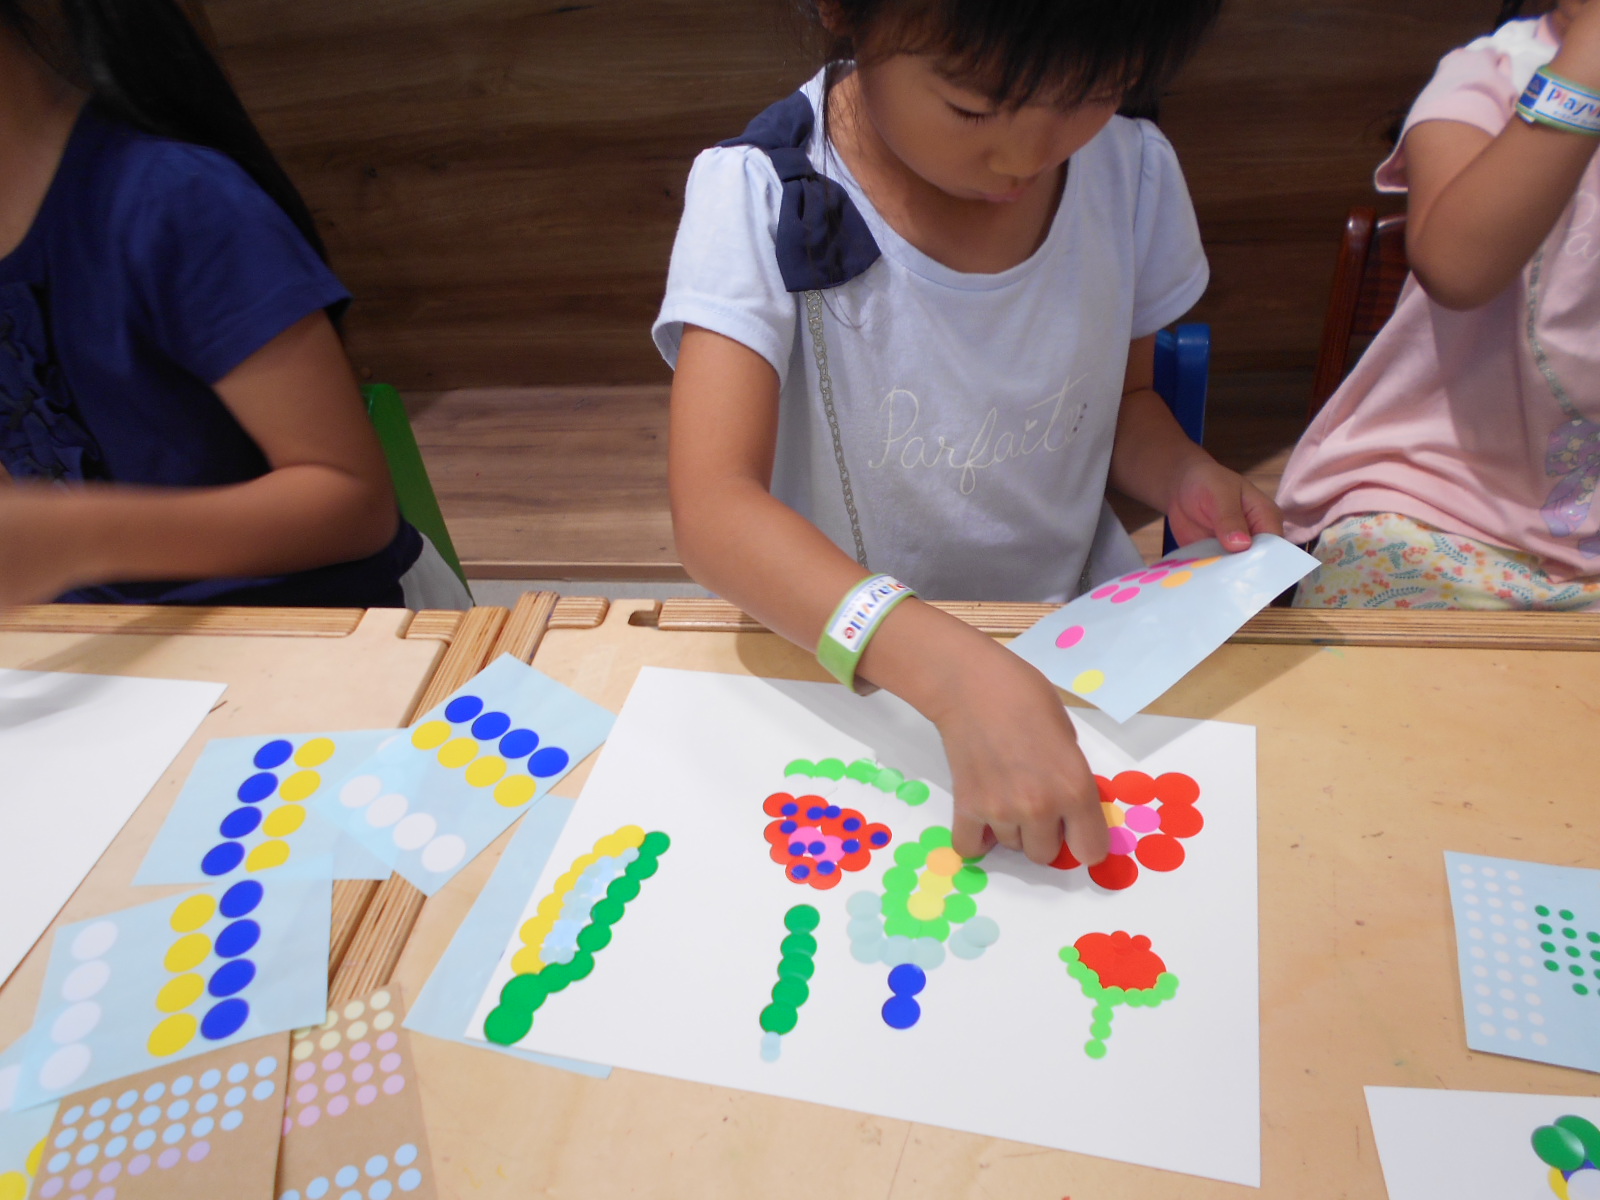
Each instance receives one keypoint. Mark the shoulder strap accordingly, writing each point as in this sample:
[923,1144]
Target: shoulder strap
[823,240]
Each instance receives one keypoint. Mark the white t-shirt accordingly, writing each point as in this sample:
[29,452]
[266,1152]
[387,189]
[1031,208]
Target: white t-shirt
[976,411]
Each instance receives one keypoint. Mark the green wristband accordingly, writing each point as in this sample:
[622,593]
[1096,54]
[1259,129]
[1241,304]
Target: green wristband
[845,637]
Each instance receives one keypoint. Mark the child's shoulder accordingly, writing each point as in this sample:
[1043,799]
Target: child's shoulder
[130,176]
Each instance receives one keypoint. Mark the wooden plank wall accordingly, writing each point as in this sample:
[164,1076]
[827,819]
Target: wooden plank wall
[499,180]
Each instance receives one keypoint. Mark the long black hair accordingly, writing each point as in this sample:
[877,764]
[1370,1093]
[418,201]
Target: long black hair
[145,65]
[1018,51]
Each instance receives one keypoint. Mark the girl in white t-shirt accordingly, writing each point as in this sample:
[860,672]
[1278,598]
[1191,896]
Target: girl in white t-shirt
[918,333]
[1457,465]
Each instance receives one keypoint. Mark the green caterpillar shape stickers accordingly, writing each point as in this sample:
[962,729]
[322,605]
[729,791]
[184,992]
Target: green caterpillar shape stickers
[863,771]
[793,988]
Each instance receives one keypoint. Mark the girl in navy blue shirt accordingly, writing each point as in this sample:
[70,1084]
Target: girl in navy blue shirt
[177,414]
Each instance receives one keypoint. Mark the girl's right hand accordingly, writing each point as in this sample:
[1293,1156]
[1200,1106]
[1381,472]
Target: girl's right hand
[1019,778]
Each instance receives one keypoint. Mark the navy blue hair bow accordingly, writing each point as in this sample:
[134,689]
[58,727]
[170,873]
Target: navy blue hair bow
[823,240]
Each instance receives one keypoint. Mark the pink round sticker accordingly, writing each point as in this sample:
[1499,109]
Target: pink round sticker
[1125,595]
[1069,638]
[1122,840]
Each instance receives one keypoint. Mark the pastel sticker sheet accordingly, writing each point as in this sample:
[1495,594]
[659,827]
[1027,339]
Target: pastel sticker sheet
[80,754]
[1528,945]
[165,981]
[1126,642]
[758,890]
[353,1125]
[1486,1145]
[196,1130]
[429,802]
[23,1134]
[244,808]
[449,998]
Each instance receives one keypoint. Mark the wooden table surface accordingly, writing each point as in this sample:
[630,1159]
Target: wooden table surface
[1373,759]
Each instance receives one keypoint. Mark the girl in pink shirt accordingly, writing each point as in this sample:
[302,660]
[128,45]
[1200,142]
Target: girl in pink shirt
[1457,465]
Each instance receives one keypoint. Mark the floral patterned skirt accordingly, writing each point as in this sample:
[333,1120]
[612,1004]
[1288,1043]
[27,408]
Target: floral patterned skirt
[1385,560]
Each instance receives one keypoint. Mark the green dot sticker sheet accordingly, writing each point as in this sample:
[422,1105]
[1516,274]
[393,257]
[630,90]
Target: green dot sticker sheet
[1528,945]
[1448,1145]
[162,982]
[244,810]
[759,890]
[1122,644]
[427,802]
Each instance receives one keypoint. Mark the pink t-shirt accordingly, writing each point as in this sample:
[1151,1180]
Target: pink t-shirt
[1483,423]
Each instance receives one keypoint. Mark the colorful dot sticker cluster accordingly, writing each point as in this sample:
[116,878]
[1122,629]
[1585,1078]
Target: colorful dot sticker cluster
[271,802]
[1570,1147]
[927,907]
[1504,989]
[379,1177]
[481,743]
[1569,951]
[817,842]
[218,935]
[862,771]
[1113,969]
[1146,820]
[346,1063]
[106,1142]
[1167,574]
[547,963]
[793,989]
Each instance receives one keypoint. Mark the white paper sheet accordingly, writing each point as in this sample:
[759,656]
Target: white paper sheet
[999,1044]
[1444,1145]
[78,753]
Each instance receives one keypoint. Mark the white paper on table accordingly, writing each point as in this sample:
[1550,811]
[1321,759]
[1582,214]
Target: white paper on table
[1436,1144]
[1000,1047]
[78,753]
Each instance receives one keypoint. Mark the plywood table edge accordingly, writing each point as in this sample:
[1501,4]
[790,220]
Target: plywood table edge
[169,620]
[393,906]
[1321,627]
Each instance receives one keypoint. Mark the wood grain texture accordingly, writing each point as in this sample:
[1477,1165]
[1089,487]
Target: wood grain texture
[181,620]
[499,183]
[1273,626]
[384,921]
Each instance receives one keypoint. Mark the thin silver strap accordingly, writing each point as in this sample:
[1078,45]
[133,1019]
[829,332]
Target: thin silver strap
[820,349]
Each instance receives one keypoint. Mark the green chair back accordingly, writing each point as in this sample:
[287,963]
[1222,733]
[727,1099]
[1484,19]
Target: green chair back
[412,486]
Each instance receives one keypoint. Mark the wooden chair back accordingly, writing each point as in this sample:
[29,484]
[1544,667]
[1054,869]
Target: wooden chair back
[1371,271]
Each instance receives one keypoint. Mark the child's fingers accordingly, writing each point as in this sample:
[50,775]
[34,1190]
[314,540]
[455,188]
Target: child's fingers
[969,836]
[1087,835]
[1262,513]
[1229,525]
[1041,840]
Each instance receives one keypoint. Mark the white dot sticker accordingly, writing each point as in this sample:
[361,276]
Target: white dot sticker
[64,1068]
[386,810]
[94,941]
[85,980]
[443,853]
[415,831]
[360,791]
[75,1023]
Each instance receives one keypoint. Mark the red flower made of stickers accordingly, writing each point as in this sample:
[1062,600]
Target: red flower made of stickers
[1148,820]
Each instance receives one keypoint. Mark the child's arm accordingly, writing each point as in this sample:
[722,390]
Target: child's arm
[1014,759]
[1480,206]
[326,500]
[1154,461]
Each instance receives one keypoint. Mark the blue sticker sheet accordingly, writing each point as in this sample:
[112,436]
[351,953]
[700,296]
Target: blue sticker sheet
[1528,945]
[453,991]
[22,1134]
[244,808]
[1122,644]
[428,802]
[165,981]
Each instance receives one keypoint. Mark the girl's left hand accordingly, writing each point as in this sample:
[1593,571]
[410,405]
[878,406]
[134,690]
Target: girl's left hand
[1208,500]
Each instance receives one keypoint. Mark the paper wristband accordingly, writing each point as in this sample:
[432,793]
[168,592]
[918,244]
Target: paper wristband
[1561,104]
[845,637]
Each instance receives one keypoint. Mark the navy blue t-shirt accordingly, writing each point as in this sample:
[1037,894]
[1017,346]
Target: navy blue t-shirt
[152,270]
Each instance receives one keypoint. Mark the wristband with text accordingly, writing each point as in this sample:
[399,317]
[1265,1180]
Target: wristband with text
[845,637]
[1560,103]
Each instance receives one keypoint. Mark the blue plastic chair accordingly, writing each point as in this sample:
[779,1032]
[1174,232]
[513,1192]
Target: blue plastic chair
[1183,368]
